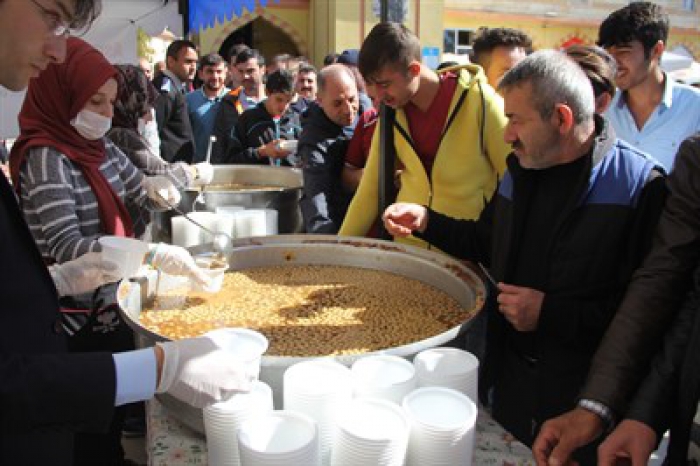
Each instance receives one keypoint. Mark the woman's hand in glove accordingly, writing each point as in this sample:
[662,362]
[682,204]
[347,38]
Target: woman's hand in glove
[84,274]
[175,260]
[162,191]
[199,373]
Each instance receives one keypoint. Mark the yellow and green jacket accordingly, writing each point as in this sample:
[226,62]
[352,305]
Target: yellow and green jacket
[470,160]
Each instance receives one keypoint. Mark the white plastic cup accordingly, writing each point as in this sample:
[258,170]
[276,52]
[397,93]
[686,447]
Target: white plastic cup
[126,253]
[243,344]
[213,269]
[184,232]
[250,222]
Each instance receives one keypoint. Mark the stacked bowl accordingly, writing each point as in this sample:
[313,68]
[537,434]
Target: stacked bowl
[319,388]
[450,368]
[371,432]
[222,420]
[442,424]
[281,438]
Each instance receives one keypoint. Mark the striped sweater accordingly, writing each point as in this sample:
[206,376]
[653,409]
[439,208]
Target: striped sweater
[59,204]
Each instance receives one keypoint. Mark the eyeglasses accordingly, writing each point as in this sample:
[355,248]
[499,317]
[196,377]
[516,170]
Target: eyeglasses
[57,26]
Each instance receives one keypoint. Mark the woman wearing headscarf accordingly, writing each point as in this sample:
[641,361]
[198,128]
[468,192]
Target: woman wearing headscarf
[135,98]
[75,186]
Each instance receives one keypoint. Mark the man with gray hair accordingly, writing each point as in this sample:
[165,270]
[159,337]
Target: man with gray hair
[570,221]
[327,127]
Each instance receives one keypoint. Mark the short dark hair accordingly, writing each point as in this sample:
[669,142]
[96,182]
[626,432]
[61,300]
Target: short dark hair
[279,82]
[488,39]
[235,50]
[643,21]
[390,44]
[247,54]
[177,45]
[330,59]
[599,66]
[86,12]
[211,59]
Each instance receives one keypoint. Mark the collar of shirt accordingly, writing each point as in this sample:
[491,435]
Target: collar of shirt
[176,81]
[620,100]
[224,90]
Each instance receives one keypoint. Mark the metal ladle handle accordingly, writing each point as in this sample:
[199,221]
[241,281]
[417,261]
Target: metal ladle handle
[221,245]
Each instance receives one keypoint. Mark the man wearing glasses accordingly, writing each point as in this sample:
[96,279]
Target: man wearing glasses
[46,394]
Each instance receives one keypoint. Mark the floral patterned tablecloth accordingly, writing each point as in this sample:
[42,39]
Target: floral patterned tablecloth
[170,443]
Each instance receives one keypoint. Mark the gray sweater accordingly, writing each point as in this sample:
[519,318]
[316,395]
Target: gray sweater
[59,205]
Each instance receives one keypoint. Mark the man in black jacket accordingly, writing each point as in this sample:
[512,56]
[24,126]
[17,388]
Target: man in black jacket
[668,397]
[46,394]
[260,130]
[322,146]
[250,66]
[571,220]
[174,127]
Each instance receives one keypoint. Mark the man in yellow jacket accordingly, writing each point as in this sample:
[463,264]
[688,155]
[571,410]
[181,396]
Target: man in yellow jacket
[448,133]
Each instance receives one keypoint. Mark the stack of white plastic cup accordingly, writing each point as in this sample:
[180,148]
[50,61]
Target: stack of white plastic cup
[222,420]
[371,432]
[250,222]
[279,439]
[271,221]
[319,388]
[450,368]
[442,424]
[383,376]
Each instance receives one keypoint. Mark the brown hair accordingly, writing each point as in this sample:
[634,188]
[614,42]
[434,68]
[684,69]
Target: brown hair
[388,44]
[599,66]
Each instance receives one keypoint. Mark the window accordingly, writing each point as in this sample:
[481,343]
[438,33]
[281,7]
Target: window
[689,5]
[458,41]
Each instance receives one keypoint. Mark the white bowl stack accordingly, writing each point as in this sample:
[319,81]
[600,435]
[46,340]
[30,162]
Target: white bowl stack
[371,432]
[384,376]
[279,439]
[450,368]
[319,388]
[442,424]
[222,420]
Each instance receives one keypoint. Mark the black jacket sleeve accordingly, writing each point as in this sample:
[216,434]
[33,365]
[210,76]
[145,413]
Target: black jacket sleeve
[224,129]
[655,400]
[62,392]
[464,239]
[656,290]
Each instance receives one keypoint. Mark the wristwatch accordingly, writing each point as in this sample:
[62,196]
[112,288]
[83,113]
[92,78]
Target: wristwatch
[601,411]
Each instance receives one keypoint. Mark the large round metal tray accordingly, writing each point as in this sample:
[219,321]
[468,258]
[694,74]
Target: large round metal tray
[436,269]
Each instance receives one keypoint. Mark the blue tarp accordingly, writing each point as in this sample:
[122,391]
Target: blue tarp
[205,13]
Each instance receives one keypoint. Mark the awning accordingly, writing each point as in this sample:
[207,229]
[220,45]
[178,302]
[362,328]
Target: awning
[205,13]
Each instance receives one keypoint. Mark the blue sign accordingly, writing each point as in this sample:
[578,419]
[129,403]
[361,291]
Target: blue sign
[431,57]
[205,13]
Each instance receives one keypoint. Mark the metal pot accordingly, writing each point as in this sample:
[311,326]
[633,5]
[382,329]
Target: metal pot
[438,270]
[285,199]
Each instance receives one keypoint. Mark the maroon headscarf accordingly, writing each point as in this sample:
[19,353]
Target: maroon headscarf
[52,101]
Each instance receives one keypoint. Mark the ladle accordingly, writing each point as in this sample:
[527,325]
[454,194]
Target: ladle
[200,197]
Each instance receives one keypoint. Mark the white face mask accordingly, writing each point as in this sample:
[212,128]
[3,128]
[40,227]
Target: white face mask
[91,125]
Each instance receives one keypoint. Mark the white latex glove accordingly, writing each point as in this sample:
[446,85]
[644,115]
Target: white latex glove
[197,372]
[205,173]
[84,274]
[175,260]
[162,191]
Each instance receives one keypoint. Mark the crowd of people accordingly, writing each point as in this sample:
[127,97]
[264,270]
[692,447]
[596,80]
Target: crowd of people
[568,174]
